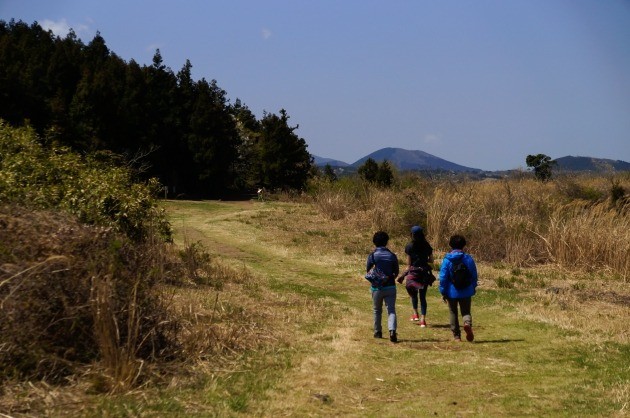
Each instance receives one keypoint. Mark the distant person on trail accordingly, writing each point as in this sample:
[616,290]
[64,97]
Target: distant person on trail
[418,276]
[458,282]
[381,270]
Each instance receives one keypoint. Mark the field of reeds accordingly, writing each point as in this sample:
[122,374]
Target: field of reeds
[579,223]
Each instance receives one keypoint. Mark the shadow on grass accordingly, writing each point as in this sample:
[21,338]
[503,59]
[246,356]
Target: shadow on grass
[420,340]
[449,341]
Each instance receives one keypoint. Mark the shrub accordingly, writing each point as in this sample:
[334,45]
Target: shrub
[504,283]
[71,294]
[93,188]
[79,264]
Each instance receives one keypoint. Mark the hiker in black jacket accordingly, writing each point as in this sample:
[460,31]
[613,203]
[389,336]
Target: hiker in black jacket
[419,255]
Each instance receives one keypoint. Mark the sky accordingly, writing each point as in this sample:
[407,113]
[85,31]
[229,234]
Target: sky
[479,83]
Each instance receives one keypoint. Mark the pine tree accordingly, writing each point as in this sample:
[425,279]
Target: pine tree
[368,171]
[282,158]
[542,166]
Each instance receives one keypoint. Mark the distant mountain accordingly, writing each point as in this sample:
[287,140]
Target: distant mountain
[413,160]
[321,161]
[570,163]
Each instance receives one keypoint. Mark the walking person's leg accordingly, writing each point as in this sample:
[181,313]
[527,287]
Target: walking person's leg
[377,306]
[454,318]
[390,303]
[465,307]
[413,294]
[423,306]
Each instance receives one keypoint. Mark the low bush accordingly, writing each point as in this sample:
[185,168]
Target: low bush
[82,252]
[95,188]
[71,294]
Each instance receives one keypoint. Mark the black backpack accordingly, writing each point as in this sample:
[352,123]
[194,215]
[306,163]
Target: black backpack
[460,275]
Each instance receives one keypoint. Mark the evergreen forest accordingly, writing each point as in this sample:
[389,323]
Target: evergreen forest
[165,125]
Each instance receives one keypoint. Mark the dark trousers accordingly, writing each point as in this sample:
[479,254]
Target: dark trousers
[464,307]
[414,293]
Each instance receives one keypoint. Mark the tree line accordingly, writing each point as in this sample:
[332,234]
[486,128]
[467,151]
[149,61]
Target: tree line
[182,131]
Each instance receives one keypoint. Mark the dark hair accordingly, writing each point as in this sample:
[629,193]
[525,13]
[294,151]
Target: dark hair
[419,243]
[380,239]
[457,242]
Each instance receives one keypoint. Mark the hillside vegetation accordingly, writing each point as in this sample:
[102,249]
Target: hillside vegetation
[87,272]
[260,308]
[78,258]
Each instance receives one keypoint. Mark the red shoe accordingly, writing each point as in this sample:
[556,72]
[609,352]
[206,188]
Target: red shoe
[469,332]
[414,317]
[423,324]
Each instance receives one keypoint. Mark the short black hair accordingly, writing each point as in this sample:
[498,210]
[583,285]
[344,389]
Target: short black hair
[457,242]
[380,239]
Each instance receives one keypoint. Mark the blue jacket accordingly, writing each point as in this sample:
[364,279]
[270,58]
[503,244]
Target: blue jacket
[447,288]
[386,261]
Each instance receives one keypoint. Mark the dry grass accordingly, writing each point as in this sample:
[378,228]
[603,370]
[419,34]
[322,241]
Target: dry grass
[84,310]
[593,306]
[273,319]
[571,222]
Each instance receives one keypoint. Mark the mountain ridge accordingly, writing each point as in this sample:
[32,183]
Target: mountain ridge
[403,159]
[576,163]
[412,160]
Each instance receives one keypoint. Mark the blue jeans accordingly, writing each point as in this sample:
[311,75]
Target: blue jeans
[387,295]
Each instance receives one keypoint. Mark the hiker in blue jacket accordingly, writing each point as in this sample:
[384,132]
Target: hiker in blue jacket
[458,281]
[387,262]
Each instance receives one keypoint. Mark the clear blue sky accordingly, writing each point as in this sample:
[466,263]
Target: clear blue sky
[480,83]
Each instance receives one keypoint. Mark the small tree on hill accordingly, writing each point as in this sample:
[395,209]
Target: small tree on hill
[541,164]
[369,170]
[385,174]
[381,174]
[329,173]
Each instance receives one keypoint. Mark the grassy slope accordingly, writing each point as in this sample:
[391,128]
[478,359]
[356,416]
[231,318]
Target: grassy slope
[328,362]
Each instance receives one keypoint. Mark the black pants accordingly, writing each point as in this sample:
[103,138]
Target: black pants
[464,307]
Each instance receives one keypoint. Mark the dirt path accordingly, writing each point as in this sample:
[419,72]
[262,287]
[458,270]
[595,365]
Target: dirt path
[515,366]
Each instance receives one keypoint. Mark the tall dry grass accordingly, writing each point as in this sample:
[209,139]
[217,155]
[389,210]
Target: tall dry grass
[575,222]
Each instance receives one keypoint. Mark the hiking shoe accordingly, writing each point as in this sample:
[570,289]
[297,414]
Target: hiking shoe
[469,332]
[423,324]
[457,338]
[378,334]
[392,336]
[414,317]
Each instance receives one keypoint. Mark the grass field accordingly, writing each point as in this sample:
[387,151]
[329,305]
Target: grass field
[275,319]
[547,343]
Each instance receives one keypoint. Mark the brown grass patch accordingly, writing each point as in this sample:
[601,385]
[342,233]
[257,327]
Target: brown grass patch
[573,222]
